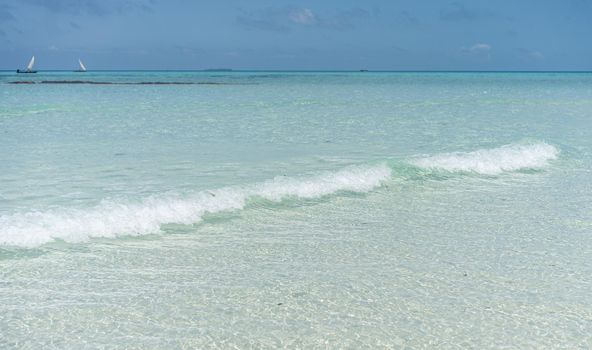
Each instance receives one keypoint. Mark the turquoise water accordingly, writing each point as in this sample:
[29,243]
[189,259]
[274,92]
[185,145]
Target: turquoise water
[298,210]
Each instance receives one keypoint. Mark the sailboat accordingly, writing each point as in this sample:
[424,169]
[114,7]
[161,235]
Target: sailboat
[29,67]
[82,67]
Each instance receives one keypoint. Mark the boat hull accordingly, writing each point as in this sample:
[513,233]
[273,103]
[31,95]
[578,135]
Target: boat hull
[26,71]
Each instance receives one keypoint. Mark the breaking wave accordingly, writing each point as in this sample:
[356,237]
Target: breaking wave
[494,161]
[111,218]
[115,218]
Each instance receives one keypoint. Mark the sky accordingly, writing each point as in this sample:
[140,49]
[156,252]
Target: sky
[298,34]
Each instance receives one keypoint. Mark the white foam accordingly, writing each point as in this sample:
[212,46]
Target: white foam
[111,219]
[494,161]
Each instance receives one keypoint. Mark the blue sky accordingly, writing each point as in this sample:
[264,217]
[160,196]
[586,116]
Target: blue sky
[299,34]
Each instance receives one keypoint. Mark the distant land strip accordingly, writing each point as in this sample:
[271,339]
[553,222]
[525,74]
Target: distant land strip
[118,83]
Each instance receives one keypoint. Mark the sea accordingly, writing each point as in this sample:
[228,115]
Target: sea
[300,210]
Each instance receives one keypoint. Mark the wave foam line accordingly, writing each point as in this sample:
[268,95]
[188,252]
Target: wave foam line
[494,161]
[112,219]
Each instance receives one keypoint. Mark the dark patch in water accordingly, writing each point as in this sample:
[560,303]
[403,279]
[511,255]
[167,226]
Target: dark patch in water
[90,82]
[74,82]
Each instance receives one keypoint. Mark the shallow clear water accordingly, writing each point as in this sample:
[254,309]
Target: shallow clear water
[270,209]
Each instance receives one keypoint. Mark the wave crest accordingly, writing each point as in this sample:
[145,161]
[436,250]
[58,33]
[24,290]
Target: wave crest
[116,218]
[494,161]
[111,219]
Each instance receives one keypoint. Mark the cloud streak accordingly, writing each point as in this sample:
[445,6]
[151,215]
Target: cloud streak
[477,50]
[460,12]
[269,19]
[5,14]
[302,16]
[408,18]
[345,20]
[479,47]
[92,7]
[529,55]
[285,19]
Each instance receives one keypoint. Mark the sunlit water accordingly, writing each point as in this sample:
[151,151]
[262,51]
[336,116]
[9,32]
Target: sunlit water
[299,210]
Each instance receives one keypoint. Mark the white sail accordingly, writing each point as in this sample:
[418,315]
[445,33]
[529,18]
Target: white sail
[31,63]
[82,67]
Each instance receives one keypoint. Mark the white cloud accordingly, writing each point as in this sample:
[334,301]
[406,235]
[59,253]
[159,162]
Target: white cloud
[302,16]
[480,48]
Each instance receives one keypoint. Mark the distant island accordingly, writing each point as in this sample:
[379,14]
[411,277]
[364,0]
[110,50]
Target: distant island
[218,70]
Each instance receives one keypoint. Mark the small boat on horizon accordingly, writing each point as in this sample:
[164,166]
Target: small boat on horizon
[29,67]
[82,67]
